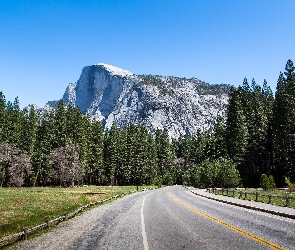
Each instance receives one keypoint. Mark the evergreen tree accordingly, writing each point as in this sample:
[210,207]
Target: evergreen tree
[72,115]
[166,157]
[151,159]
[84,139]
[199,151]
[2,116]
[283,126]
[236,128]
[123,171]
[112,155]
[135,148]
[219,139]
[28,130]
[60,122]
[95,159]
[45,141]
[12,122]
[257,129]
[268,104]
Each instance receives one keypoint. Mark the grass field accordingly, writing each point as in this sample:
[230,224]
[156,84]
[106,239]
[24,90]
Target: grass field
[263,196]
[28,207]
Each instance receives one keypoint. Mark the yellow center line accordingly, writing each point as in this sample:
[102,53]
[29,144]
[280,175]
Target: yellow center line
[236,229]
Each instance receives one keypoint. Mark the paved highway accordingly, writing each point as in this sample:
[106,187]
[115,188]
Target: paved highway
[169,218]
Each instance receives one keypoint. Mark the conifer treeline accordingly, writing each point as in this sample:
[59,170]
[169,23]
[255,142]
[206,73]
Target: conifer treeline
[64,147]
[263,142]
[258,135]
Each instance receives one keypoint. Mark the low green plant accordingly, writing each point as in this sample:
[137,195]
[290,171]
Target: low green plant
[267,182]
[291,186]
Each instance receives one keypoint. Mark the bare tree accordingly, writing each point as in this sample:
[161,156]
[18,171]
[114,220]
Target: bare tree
[14,166]
[66,167]
[18,170]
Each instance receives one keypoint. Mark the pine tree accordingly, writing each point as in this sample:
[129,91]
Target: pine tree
[12,122]
[45,141]
[257,128]
[283,126]
[151,159]
[123,171]
[219,138]
[199,151]
[28,130]
[2,117]
[268,104]
[84,138]
[60,132]
[95,158]
[166,157]
[112,155]
[133,157]
[72,114]
[236,128]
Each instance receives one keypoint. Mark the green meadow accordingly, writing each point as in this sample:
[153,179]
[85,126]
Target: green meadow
[28,207]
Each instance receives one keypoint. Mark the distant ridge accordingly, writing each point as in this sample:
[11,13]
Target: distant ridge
[179,105]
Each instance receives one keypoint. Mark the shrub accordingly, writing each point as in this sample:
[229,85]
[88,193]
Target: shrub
[219,172]
[267,182]
[291,186]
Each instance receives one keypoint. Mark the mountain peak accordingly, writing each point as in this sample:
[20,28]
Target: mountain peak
[115,70]
[179,105]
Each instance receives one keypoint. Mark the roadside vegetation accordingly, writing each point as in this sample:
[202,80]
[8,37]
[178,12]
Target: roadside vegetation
[64,147]
[274,197]
[266,194]
[28,207]
[46,154]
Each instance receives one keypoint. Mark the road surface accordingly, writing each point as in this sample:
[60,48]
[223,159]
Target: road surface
[169,218]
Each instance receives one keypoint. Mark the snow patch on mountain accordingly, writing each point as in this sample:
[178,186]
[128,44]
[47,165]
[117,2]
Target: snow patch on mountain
[115,70]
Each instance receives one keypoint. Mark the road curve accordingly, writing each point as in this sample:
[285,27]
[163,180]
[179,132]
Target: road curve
[169,218]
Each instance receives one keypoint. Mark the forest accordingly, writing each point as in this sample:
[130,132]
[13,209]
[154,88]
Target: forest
[63,147]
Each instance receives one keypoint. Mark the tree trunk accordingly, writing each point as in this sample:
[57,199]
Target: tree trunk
[37,175]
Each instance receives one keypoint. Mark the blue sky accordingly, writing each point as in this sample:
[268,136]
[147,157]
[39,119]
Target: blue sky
[45,44]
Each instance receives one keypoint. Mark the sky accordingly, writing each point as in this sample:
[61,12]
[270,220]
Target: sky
[44,44]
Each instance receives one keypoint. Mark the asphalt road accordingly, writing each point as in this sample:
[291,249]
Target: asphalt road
[169,218]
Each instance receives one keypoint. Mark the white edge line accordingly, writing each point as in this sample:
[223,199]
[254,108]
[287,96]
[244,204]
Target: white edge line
[143,232]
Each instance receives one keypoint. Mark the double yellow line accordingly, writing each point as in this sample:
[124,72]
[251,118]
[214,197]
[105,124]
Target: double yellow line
[236,229]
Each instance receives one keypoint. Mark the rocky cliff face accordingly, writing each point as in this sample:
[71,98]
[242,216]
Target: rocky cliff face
[180,105]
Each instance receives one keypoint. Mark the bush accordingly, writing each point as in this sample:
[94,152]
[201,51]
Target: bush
[267,182]
[271,182]
[291,186]
[220,172]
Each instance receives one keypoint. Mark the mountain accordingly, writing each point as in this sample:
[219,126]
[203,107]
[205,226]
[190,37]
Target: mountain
[179,105]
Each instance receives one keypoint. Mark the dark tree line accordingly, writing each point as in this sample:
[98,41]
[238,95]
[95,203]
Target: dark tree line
[258,136]
[64,147]
[265,143]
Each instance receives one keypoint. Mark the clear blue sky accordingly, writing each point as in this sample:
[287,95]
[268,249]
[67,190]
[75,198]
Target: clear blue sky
[45,44]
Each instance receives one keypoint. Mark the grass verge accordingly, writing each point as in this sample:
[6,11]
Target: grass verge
[28,207]
[263,196]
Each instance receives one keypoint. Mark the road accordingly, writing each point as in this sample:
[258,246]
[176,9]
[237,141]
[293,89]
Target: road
[169,218]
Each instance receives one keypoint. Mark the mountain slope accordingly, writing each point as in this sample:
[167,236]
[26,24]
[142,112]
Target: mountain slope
[179,105]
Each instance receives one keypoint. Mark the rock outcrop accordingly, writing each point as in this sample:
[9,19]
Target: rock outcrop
[179,105]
